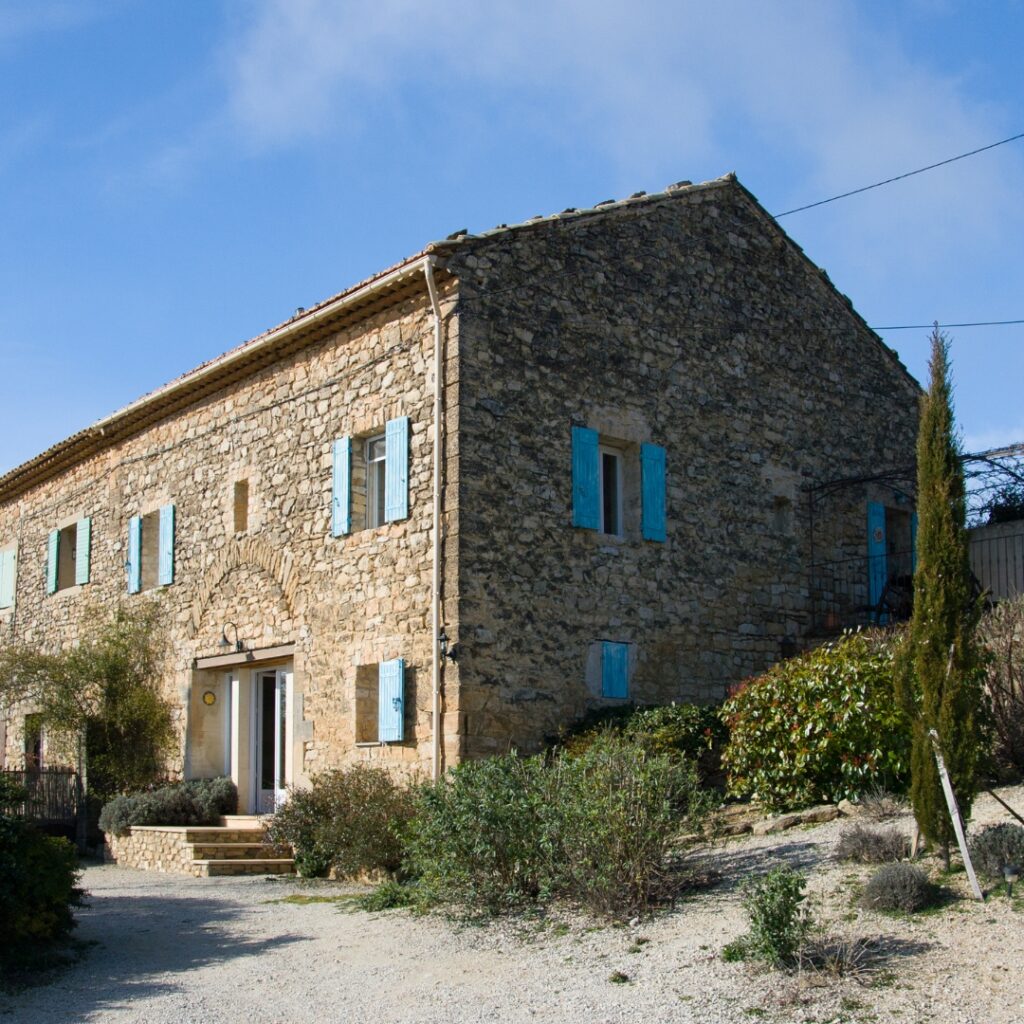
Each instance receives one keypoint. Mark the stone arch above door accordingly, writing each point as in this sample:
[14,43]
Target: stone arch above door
[253,554]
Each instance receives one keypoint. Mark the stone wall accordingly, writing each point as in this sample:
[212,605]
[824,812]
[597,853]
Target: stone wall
[693,323]
[689,321]
[151,848]
[341,602]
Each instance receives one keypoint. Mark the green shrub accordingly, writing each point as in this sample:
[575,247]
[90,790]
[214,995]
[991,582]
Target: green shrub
[898,887]
[872,845]
[196,802]
[349,820]
[693,731]
[478,837]
[389,895]
[38,884]
[779,923]
[213,798]
[820,727]
[997,845]
[594,828]
[614,812]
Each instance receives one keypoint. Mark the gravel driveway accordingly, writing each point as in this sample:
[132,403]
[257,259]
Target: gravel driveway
[182,950]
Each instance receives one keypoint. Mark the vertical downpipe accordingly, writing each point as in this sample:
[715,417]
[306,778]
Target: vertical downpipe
[435,602]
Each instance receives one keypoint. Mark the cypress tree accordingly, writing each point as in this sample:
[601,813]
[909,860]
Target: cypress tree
[940,676]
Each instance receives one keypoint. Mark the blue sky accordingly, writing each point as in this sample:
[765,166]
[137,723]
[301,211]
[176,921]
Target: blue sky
[176,178]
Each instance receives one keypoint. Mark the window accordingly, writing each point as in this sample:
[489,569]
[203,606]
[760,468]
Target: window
[370,479]
[611,492]
[150,561]
[33,744]
[606,486]
[240,506]
[68,552]
[376,480]
[380,702]
[8,576]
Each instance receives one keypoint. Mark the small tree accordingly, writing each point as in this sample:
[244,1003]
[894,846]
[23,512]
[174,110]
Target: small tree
[940,674]
[101,696]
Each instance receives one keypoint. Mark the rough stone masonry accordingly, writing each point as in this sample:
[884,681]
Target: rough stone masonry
[684,326]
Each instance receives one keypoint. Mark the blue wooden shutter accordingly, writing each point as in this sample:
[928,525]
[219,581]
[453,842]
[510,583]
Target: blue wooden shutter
[166,562]
[133,563]
[52,556]
[83,545]
[396,469]
[586,479]
[341,491]
[391,702]
[652,487]
[878,572]
[615,670]
[8,563]
[913,543]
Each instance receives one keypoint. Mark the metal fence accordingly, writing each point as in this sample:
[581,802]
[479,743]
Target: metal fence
[54,795]
[857,591]
[997,561]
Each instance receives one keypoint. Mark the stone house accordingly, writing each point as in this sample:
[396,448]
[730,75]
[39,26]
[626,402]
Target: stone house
[516,476]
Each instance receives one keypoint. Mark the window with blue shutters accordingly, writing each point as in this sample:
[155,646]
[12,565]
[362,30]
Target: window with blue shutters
[68,552]
[151,550]
[391,702]
[614,670]
[380,703]
[370,479]
[8,576]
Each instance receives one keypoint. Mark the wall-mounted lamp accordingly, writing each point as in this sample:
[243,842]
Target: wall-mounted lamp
[446,651]
[225,642]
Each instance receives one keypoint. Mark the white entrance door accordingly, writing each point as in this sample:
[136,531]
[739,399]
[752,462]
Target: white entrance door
[271,735]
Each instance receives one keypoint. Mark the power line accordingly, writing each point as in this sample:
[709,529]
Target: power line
[900,177]
[922,327]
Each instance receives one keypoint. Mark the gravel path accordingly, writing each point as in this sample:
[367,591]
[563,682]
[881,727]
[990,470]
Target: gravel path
[182,950]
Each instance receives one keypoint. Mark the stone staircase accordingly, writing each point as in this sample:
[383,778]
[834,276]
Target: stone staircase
[236,849]
[237,846]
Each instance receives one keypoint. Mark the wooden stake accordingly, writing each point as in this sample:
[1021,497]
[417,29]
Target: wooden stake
[954,813]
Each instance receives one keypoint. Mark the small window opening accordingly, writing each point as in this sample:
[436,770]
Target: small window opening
[241,506]
[611,492]
[782,514]
[33,747]
[375,476]
[367,702]
[150,575]
[67,552]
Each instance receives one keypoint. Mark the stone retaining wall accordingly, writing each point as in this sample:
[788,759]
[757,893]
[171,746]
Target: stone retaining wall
[151,848]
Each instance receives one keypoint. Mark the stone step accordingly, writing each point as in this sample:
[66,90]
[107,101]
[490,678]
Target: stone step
[244,866]
[231,851]
[215,835]
[246,821]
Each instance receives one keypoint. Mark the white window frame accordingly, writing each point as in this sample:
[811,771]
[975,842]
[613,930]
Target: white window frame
[375,481]
[605,450]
